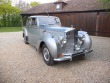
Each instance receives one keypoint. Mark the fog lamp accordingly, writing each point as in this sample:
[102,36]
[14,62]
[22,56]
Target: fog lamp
[77,47]
[61,55]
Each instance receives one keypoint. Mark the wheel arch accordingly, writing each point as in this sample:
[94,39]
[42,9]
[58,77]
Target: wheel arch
[41,44]
[51,44]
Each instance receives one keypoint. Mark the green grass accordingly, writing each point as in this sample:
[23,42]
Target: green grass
[10,29]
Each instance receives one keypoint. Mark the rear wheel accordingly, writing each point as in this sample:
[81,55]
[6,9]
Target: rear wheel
[26,39]
[48,59]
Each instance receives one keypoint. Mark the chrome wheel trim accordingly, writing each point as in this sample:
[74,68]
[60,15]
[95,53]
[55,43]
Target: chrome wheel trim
[46,54]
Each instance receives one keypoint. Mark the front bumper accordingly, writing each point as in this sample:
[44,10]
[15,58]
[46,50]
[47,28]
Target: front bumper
[69,56]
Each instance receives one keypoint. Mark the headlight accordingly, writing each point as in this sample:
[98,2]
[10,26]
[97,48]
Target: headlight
[81,37]
[64,41]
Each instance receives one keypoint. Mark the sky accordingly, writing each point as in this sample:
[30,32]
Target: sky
[28,1]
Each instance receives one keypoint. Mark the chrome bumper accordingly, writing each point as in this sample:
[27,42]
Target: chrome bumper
[69,56]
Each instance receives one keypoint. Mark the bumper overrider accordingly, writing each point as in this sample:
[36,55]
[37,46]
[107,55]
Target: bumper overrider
[69,56]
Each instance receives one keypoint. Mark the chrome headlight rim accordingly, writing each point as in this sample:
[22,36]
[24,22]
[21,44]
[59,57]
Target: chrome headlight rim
[64,41]
[82,37]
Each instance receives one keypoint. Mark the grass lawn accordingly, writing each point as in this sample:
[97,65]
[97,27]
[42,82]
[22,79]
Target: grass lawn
[10,29]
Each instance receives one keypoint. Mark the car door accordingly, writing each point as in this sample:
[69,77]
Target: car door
[33,32]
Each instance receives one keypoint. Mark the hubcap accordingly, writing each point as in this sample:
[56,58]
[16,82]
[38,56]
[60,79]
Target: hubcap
[46,54]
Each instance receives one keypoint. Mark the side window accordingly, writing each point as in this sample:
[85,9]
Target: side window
[33,22]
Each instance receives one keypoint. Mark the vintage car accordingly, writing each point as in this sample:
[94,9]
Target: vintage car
[57,43]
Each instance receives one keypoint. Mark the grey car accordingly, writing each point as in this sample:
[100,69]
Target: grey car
[57,43]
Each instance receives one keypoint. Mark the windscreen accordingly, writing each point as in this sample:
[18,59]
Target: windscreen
[49,21]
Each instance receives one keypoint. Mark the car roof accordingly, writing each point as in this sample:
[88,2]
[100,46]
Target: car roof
[35,16]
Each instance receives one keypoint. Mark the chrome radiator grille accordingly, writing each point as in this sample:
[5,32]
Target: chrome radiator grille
[69,46]
[70,34]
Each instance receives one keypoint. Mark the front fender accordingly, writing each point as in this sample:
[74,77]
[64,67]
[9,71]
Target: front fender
[50,43]
[87,44]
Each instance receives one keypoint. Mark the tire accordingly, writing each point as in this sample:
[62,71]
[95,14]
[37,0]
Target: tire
[26,39]
[48,59]
[23,35]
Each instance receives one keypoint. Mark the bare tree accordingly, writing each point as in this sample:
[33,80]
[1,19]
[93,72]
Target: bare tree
[22,5]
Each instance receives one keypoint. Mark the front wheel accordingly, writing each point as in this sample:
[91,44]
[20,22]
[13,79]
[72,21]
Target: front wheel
[48,59]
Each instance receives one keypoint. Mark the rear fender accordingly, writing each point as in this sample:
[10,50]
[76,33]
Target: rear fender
[25,32]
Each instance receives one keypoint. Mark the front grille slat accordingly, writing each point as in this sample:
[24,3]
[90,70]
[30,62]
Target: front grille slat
[69,46]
